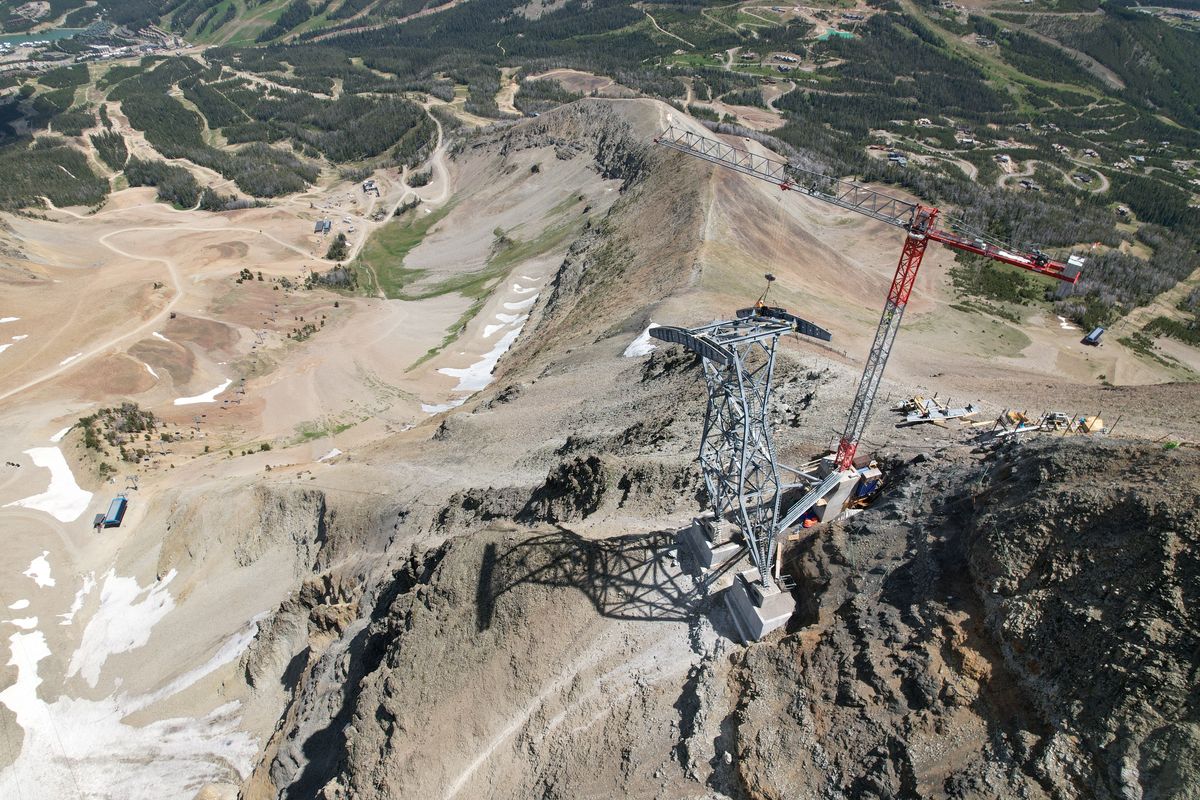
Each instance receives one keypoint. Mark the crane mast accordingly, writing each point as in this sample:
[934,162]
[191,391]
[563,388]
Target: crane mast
[885,335]
[920,225]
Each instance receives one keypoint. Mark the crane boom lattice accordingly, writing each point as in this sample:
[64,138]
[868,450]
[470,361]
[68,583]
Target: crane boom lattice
[885,336]
[789,177]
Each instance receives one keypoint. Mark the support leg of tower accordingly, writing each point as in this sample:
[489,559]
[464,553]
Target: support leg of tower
[709,542]
[757,610]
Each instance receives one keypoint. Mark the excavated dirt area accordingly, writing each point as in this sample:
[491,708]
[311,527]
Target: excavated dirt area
[488,600]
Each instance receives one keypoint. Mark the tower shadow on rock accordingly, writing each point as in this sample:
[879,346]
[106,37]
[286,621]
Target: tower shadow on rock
[636,577]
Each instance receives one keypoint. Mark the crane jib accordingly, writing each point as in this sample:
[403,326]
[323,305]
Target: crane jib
[860,199]
[789,177]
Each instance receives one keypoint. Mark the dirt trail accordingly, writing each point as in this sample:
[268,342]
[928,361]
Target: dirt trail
[241,22]
[1100,182]
[715,21]
[114,341]
[440,179]
[425,12]
[1026,171]
[1111,79]
[773,92]
[1162,305]
[661,29]
[506,97]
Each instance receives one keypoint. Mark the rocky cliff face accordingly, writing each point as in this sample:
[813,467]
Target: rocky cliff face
[1087,562]
[994,627]
[1013,628]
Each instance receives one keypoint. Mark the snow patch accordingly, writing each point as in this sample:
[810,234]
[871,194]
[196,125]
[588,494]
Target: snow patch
[69,359]
[529,278]
[505,321]
[430,408]
[8,319]
[89,583]
[150,369]
[158,335]
[25,623]
[642,345]
[334,453]
[39,571]
[77,747]
[208,397]
[479,374]
[123,622]
[20,605]
[20,338]
[523,290]
[4,347]
[523,304]
[63,499]
[1066,326]
[58,437]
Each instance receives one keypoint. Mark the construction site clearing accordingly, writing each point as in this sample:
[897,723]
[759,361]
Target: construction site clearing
[745,483]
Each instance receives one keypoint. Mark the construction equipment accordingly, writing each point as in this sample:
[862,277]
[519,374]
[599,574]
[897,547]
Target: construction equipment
[1015,423]
[922,224]
[918,410]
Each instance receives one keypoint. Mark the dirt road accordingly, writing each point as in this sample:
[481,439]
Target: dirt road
[661,29]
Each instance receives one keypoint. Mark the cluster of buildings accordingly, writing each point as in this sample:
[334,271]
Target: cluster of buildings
[105,42]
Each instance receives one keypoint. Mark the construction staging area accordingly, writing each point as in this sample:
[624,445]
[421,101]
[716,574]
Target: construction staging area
[621,532]
[741,473]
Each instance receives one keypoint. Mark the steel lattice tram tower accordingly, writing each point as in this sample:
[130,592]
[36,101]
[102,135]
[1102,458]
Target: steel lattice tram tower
[737,456]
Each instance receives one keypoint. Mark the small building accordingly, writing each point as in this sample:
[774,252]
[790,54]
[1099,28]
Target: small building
[322,226]
[1093,338]
[116,512]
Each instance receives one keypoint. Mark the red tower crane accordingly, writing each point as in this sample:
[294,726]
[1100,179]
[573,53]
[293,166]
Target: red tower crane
[921,223]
